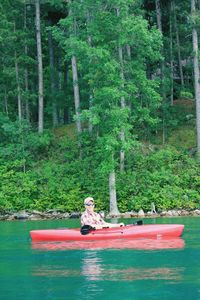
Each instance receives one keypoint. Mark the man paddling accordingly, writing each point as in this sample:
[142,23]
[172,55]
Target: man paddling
[93,219]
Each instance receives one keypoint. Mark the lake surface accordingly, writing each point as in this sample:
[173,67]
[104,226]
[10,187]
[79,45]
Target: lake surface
[103,274]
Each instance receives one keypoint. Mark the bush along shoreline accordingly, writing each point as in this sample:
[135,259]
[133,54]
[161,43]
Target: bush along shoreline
[162,181]
[56,214]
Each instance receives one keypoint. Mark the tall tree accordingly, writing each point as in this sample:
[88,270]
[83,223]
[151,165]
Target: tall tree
[171,55]
[76,93]
[196,75]
[178,44]
[112,191]
[40,69]
[26,79]
[75,74]
[19,97]
[160,27]
[123,103]
[52,77]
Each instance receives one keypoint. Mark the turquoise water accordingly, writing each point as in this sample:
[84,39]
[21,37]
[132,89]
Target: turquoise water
[109,274]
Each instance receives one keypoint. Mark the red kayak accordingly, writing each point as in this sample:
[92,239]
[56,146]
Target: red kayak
[129,232]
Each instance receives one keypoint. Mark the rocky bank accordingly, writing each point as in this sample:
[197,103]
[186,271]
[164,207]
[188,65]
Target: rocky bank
[56,214]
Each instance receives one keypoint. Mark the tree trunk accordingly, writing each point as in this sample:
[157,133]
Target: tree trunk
[158,15]
[89,39]
[159,24]
[90,107]
[122,135]
[66,117]
[26,71]
[76,94]
[75,83]
[178,45]
[40,70]
[27,110]
[123,104]
[112,191]
[196,78]
[59,109]
[52,78]
[6,102]
[171,58]
[19,98]
[128,49]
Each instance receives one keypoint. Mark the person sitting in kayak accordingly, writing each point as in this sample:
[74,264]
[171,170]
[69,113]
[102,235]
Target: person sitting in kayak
[89,217]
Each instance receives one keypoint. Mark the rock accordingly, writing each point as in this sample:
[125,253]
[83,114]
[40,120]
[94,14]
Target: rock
[175,213]
[60,214]
[169,213]
[134,214]
[43,215]
[141,213]
[112,216]
[197,212]
[75,215]
[33,217]
[172,213]
[185,213]
[151,213]
[21,216]
[54,214]
[126,215]
[163,213]
[66,215]
[10,218]
[4,217]
[36,212]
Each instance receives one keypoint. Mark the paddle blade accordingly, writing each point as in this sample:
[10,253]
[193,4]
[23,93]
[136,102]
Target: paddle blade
[85,229]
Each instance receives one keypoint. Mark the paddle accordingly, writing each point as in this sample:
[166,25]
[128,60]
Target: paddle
[85,229]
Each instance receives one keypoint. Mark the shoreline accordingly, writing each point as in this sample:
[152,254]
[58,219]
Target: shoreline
[54,214]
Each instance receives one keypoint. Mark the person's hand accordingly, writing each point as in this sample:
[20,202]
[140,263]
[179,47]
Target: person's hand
[116,225]
[98,227]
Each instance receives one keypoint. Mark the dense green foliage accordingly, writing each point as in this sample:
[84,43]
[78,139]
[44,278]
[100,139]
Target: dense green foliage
[133,99]
[166,176]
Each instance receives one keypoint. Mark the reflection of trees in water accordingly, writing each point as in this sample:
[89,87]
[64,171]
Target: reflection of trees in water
[131,274]
[47,272]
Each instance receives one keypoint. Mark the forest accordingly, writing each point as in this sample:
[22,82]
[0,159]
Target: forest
[99,98]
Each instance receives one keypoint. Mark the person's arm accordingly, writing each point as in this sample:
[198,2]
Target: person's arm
[105,224]
[111,225]
[100,223]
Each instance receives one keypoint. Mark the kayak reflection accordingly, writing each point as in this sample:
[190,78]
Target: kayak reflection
[94,270]
[138,244]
